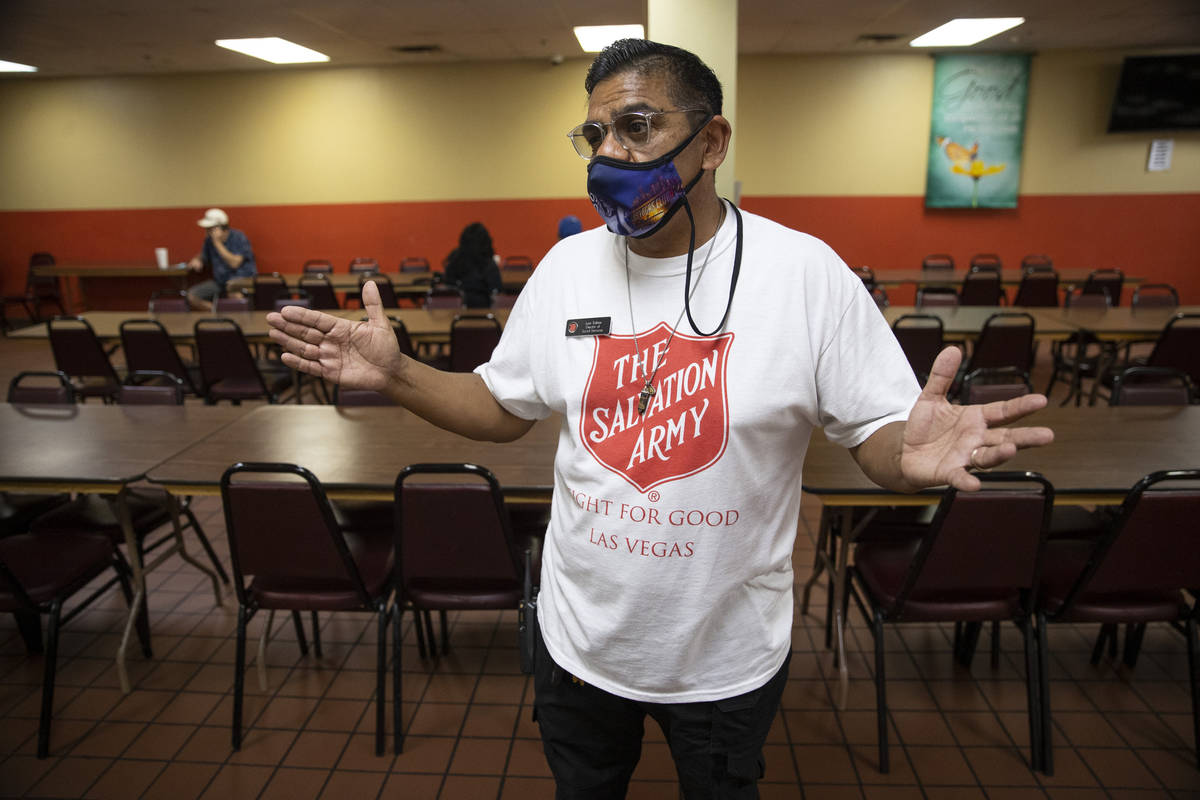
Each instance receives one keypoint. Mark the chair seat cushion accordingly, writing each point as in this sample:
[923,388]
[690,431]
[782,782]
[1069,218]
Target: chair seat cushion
[466,594]
[1064,561]
[49,566]
[148,509]
[882,567]
[372,554]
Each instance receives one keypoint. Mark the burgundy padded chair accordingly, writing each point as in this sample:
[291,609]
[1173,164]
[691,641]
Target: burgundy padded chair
[1105,281]
[317,265]
[18,509]
[455,549]
[151,388]
[78,353]
[228,305]
[294,297]
[39,290]
[1135,574]
[320,292]
[442,296]
[978,562]
[1038,288]
[361,266]
[473,337]
[38,575]
[1154,295]
[505,298]
[267,289]
[920,337]
[1038,262]
[1152,386]
[992,384]
[516,262]
[228,367]
[40,387]
[981,287]
[988,261]
[387,292]
[938,261]
[936,297]
[289,553]
[402,337]
[1006,340]
[148,348]
[1177,347]
[414,264]
[168,301]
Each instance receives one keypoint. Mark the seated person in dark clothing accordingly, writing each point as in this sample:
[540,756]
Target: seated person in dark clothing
[227,251]
[472,267]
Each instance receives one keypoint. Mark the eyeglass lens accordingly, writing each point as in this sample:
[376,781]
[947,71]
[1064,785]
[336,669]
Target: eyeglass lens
[633,132]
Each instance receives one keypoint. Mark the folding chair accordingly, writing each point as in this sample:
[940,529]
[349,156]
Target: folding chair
[78,353]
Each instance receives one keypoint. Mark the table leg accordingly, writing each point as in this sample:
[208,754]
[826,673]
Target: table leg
[121,509]
[173,502]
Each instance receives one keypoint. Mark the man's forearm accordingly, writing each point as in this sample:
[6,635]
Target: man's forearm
[456,401]
[879,458]
[231,258]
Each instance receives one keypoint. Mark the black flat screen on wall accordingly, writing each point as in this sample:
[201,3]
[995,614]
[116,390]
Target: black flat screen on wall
[1157,93]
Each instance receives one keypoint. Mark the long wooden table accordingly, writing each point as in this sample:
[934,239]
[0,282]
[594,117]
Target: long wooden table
[404,283]
[96,449]
[1068,278]
[424,325]
[76,296]
[1122,322]
[1098,454]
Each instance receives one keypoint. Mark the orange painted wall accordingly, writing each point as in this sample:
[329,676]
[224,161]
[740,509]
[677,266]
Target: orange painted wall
[1156,236]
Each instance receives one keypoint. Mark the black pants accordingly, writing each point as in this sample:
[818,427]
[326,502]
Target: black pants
[593,739]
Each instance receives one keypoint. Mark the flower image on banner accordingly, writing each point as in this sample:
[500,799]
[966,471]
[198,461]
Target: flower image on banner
[977,130]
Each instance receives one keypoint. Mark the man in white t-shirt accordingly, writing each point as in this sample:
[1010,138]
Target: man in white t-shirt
[690,356]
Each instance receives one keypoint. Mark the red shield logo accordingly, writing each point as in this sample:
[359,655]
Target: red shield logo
[686,424]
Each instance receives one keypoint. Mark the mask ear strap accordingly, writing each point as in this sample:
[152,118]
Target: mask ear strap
[687,281]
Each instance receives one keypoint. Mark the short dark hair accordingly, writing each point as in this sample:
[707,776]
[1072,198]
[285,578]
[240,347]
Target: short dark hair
[691,83]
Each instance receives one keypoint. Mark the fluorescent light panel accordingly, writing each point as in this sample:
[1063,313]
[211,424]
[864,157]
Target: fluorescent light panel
[12,66]
[594,38]
[964,32]
[273,49]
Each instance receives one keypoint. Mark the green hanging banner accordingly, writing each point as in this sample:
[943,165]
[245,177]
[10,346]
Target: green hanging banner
[977,130]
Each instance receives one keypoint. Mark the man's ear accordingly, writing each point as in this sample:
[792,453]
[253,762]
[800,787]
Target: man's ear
[717,134]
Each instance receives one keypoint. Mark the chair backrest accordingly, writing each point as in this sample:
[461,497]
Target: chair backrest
[268,289]
[866,274]
[455,536]
[402,337]
[938,261]
[981,287]
[78,352]
[936,296]
[1152,544]
[472,340]
[166,301]
[224,355]
[1076,298]
[1038,287]
[982,542]
[147,346]
[362,264]
[920,337]
[322,266]
[880,296]
[505,298]
[231,304]
[296,297]
[320,291]
[1038,262]
[516,262]
[414,264]
[1178,346]
[1108,281]
[443,297]
[151,388]
[988,261]
[282,531]
[43,287]
[387,292]
[1151,386]
[40,386]
[1155,295]
[990,384]
[1005,341]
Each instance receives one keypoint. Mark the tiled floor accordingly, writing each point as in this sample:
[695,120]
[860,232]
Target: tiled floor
[956,733]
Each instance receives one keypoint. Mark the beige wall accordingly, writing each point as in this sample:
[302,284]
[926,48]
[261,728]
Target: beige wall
[816,125]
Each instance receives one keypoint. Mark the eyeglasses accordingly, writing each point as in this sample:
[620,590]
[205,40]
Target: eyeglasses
[635,131]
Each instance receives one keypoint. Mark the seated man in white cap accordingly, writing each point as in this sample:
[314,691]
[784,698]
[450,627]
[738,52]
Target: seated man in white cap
[227,251]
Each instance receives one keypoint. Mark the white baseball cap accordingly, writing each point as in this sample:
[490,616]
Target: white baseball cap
[212,218]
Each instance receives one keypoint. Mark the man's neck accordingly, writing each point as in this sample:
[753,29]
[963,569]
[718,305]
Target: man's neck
[672,239]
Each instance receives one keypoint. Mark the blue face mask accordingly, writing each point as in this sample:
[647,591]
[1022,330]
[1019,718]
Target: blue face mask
[636,199]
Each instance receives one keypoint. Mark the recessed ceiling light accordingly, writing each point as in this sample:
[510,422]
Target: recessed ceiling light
[273,49]
[12,66]
[594,38]
[964,32]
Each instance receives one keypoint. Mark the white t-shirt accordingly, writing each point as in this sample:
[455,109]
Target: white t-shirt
[667,574]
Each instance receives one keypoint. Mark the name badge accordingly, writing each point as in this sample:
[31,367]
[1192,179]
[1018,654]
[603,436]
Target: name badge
[589,326]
